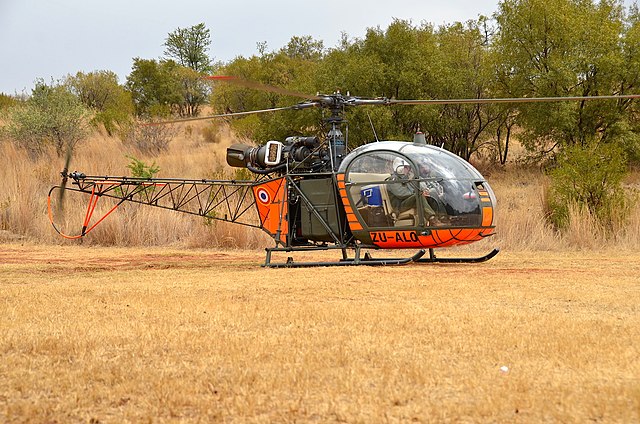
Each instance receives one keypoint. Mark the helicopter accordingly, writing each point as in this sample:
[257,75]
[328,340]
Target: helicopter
[312,194]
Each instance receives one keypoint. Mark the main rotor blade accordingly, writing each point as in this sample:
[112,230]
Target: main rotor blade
[226,115]
[259,86]
[509,100]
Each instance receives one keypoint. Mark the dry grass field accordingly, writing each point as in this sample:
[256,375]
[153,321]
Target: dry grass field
[111,335]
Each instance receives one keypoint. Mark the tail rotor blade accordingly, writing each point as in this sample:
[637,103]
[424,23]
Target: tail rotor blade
[65,178]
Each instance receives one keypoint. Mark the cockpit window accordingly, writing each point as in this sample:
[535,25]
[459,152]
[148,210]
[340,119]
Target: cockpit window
[369,179]
[441,163]
[416,186]
[373,163]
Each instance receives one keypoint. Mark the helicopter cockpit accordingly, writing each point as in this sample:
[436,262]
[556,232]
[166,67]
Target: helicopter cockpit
[399,184]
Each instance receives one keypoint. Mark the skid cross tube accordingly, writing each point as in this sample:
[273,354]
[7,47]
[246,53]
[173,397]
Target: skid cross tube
[345,261]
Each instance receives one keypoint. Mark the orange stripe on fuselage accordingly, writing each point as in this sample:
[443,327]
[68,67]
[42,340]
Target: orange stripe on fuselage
[352,219]
[437,238]
[487,216]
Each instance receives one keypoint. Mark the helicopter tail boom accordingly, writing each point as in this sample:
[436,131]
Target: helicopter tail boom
[223,200]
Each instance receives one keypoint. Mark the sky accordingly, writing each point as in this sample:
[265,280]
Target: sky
[50,39]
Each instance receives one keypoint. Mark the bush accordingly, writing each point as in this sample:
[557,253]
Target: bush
[52,116]
[589,179]
[211,133]
[100,92]
[150,138]
[140,169]
[7,102]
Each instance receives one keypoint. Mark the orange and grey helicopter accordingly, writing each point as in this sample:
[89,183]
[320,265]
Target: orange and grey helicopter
[311,194]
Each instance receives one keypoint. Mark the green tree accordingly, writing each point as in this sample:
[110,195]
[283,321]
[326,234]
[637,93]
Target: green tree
[630,82]
[100,91]
[572,48]
[52,116]
[189,47]
[563,48]
[408,62]
[402,61]
[292,68]
[462,70]
[154,87]
[393,63]
[194,91]
[305,48]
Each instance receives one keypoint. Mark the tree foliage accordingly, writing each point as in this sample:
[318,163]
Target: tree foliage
[174,84]
[462,70]
[630,72]
[154,88]
[305,48]
[52,116]
[292,68]
[403,62]
[189,47]
[194,91]
[530,48]
[140,169]
[99,91]
[565,48]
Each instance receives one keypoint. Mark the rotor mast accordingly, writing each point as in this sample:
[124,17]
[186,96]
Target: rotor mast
[337,142]
[336,104]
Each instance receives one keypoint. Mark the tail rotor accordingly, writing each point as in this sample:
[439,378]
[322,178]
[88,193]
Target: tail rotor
[65,178]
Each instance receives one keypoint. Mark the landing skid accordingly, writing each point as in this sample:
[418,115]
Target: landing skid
[432,258]
[366,259]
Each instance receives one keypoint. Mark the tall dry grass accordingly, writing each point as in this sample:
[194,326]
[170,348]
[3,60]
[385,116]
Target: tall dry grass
[26,182]
[192,154]
[521,216]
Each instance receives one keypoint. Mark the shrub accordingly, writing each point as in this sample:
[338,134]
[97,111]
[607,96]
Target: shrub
[150,138]
[140,169]
[52,116]
[211,133]
[589,178]
[6,101]
[100,92]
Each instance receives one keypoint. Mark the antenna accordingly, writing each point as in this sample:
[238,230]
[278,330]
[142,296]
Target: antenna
[372,127]
[419,137]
